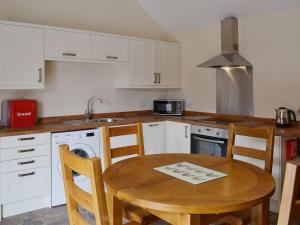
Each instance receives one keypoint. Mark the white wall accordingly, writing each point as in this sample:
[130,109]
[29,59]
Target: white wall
[125,17]
[69,85]
[271,42]
[2,14]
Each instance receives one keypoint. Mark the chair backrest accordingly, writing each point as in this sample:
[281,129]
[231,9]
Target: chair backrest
[94,202]
[110,153]
[263,133]
[290,200]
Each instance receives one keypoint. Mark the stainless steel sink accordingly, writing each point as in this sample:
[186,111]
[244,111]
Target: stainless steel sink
[92,121]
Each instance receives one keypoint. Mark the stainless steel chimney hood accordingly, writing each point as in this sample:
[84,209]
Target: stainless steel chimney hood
[230,56]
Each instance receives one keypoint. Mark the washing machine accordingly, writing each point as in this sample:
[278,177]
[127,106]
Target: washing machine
[86,144]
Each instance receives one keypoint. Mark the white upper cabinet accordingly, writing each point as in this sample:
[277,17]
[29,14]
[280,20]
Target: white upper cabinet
[138,63]
[178,137]
[154,138]
[21,57]
[67,45]
[168,64]
[143,63]
[153,64]
[107,48]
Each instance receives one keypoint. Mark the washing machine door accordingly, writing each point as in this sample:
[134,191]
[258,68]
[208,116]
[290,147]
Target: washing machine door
[84,151]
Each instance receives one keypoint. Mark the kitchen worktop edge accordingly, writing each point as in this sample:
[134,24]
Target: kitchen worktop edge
[55,124]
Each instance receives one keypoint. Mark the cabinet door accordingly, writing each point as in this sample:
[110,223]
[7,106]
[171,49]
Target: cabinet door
[168,64]
[21,57]
[178,137]
[24,184]
[154,138]
[67,45]
[109,48]
[143,62]
[258,143]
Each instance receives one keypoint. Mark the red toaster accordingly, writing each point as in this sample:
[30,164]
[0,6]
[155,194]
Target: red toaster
[20,113]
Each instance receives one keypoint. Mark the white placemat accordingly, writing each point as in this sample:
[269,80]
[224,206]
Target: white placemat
[190,173]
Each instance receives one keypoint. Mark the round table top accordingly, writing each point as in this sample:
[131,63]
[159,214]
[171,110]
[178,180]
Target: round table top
[135,181]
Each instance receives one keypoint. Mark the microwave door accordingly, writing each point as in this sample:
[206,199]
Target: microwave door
[164,108]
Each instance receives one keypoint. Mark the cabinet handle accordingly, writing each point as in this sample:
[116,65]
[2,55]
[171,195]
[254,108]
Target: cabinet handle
[26,174]
[27,162]
[111,57]
[158,78]
[153,125]
[155,78]
[69,54]
[26,150]
[26,139]
[186,132]
[40,75]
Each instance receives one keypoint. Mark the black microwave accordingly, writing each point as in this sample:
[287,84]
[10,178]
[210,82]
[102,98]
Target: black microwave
[168,107]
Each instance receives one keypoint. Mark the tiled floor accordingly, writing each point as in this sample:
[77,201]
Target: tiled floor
[58,216]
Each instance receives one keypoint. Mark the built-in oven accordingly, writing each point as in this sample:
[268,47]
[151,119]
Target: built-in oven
[209,141]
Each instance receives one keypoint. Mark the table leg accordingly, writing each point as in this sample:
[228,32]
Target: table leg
[260,214]
[114,210]
[190,219]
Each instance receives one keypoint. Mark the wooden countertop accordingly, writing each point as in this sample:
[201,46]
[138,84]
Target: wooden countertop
[55,124]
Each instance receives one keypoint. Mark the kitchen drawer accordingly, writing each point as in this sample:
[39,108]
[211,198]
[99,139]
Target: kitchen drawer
[24,152]
[25,184]
[68,45]
[24,164]
[24,140]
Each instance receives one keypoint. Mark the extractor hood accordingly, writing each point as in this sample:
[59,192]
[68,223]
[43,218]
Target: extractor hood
[230,56]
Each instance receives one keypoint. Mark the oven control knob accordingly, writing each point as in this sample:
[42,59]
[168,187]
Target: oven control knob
[217,133]
[199,130]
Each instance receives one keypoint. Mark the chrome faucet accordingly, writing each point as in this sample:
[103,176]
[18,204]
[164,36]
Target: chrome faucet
[90,104]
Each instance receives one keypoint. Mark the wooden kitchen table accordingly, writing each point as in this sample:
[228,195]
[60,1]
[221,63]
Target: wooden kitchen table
[136,182]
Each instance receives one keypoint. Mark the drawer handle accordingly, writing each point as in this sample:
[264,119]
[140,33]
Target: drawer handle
[26,174]
[26,150]
[112,57]
[69,54]
[186,132]
[40,75]
[27,162]
[26,139]
[153,125]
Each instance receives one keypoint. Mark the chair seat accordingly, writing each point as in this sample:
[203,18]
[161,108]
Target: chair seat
[138,215]
[131,223]
[237,218]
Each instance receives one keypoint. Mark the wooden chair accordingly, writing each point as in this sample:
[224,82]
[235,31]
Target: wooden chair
[244,217]
[94,202]
[290,201]
[130,212]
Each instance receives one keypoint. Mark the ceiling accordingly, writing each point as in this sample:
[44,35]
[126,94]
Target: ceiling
[180,15]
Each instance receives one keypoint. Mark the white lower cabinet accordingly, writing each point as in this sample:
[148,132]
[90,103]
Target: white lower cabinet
[25,173]
[154,137]
[24,184]
[167,137]
[177,137]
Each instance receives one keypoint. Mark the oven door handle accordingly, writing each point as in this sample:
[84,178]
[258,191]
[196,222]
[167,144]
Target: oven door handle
[209,140]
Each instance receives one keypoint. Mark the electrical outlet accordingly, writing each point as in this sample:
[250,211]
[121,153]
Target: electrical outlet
[188,104]
[142,104]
